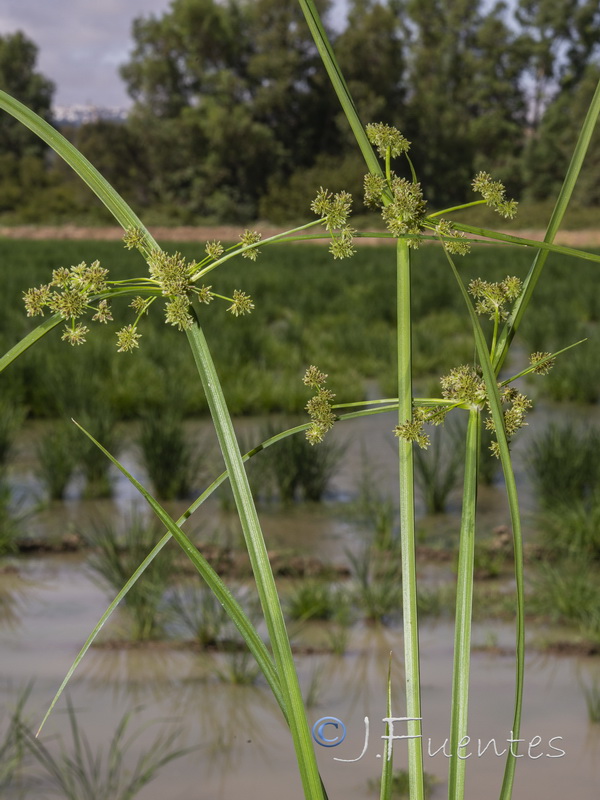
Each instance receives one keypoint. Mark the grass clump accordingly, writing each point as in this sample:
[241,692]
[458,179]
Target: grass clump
[118,553]
[57,458]
[563,463]
[82,772]
[315,600]
[199,613]
[170,457]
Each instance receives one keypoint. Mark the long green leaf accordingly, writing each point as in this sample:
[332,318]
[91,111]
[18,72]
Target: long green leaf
[31,338]
[489,377]
[562,202]
[339,84]
[546,247]
[261,567]
[464,609]
[212,579]
[185,516]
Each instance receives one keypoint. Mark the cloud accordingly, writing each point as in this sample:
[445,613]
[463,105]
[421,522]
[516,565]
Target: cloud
[81,43]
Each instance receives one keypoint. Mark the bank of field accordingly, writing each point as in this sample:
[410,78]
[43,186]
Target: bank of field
[309,308]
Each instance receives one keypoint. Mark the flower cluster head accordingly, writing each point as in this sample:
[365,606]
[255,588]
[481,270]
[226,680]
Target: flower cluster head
[464,385]
[493,297]
[242,304]
[70,294]
[318,407]
[413,429]
[516,405]
[335,209]
[493,192]
[454,241]
[404,211]
[135,238]
[387,139]
[248,239]
[542,363]
[214,250]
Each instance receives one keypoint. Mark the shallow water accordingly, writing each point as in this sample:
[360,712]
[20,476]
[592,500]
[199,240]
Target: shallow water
[241,745]
[240,738]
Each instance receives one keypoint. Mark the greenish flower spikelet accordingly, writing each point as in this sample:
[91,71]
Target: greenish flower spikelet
[493,192]
[75,288]
[318,407]
[385,138]
[242,303]
[171,272]
[204,294]
[374,186]
[128,339]
[313,377]
[406,213]
[177,312]
[412,431]
[464,385]
[214,250]
[342,244]
[139,305]
[75,335]
[103,313]
[36,299]
[248,239]
[334,209]
[455,241]
[134,237]
[541,369]
[493,297]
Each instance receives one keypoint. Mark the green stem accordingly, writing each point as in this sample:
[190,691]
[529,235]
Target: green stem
[455,208]
[407,528]
[464,608]
[261,567]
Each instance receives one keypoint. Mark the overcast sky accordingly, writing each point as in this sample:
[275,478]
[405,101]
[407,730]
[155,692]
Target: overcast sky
[81,43]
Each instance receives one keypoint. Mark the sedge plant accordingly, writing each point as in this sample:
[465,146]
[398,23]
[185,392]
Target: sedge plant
[77,297]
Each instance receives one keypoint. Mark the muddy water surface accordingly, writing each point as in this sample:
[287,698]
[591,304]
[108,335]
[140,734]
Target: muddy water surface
[241,747]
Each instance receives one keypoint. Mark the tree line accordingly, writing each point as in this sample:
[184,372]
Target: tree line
[233,117]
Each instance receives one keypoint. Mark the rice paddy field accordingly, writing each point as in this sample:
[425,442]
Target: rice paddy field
[71,528]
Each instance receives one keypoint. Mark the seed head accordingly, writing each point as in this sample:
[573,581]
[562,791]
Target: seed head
[242,304]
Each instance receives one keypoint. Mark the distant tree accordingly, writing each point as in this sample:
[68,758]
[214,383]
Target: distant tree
[464,95]
[560,37]
[18,77]
[241,79]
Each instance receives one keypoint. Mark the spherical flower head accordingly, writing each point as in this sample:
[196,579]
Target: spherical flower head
[35,299]
[454,241]
[342,244]
[313,377]
[412,431]
[134,237]
[242,304]
[374,188]
[103,313]
[171,272]
[250,238]
[387,138]
[127,339]
[464,385]
[406,214]
[493,192]
[333,208]
[177,312]
[75,335]
[541,368]
[214,250]
[204,294]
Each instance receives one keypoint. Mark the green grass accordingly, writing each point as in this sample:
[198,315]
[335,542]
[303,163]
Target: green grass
[309,309]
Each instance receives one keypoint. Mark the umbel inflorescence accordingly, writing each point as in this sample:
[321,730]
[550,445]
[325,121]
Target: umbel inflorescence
[82,290]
